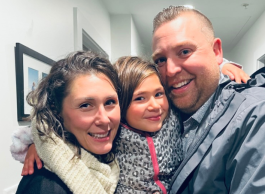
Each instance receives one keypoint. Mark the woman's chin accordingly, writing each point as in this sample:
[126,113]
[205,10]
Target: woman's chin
[101,150]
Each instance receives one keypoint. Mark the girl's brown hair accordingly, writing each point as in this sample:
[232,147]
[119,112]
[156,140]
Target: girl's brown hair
[131,72]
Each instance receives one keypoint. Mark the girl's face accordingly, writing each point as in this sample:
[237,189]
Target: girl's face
[91,112]
[149,105]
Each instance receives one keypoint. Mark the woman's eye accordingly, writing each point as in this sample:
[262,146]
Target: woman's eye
[161,61]
[85,105]
[139,98]
[110,102]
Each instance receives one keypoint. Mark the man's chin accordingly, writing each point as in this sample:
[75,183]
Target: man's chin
[184,106]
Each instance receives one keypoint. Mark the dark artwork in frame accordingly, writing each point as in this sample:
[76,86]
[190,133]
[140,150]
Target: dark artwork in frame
[31,67]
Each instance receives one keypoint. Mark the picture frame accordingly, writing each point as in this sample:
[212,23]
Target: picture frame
[31,67]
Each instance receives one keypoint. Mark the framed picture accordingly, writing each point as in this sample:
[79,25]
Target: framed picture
[31,67]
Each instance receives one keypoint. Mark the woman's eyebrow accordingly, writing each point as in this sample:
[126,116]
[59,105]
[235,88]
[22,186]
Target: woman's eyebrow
[84,98]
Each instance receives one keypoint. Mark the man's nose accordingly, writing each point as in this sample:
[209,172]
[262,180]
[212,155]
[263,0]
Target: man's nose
[172,67]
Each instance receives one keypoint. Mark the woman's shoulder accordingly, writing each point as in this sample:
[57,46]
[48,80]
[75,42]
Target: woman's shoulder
[42,181]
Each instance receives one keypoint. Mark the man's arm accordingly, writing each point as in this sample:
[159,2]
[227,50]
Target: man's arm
[245,164]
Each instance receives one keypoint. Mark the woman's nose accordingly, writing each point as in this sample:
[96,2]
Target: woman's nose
[102,117]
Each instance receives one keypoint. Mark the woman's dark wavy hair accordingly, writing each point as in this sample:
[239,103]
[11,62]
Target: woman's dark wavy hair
[48,98]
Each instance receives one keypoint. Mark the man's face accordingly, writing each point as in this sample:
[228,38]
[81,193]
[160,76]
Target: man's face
[187,58]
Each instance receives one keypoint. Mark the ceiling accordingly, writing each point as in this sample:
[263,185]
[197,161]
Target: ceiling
[230,18]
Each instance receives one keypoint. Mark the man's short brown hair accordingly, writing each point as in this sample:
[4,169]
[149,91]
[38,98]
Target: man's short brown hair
[172,12]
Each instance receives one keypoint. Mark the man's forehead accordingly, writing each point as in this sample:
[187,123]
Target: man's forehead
[177,25]
[184,28]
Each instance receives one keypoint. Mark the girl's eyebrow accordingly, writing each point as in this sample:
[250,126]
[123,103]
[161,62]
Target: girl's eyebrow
[143,92]
[140,93]
[112,96]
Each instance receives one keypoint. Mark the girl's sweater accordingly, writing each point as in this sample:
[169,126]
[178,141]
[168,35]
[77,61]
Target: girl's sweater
[148,160]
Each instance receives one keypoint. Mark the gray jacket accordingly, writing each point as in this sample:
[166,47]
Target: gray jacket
[229,156]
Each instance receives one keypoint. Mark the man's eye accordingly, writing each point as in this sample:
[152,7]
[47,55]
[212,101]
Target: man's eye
[110,102]
[185,52]
[139,98]
[160,62]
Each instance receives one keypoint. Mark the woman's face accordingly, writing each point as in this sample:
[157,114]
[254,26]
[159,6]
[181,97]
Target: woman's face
[91,112]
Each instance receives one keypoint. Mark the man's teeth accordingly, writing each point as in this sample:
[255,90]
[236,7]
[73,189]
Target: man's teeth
[178,85]
[98,136]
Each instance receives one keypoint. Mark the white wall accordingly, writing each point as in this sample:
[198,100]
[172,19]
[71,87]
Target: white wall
[251,46]
[120,36]
[125,40]
[45,26]
[137,47]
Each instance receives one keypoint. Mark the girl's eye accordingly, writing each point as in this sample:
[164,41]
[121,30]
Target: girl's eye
[139,98]
[160,61]
[85,105]
[159,94]
[110,102]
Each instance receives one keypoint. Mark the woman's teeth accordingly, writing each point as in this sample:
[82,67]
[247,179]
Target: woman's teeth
[98,136]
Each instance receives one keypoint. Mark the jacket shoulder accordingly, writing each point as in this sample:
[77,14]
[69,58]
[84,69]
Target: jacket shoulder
[42,182]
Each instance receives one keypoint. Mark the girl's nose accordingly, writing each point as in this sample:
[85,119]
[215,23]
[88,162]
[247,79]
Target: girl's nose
[153,105]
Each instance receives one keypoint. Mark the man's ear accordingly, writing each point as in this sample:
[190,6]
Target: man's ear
[217,49]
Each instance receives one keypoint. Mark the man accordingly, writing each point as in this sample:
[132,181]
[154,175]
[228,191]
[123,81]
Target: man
[224,122]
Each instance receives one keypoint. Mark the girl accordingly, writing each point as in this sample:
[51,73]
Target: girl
[149,148]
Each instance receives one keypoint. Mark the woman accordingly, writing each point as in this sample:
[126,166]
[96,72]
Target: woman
[76,104]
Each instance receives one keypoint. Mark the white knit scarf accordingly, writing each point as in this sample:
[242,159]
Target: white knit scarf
[82,176]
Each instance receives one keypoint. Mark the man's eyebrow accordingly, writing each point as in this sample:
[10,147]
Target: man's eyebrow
[156,53]
[175,47]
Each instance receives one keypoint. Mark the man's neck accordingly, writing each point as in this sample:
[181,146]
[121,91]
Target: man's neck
[184,116]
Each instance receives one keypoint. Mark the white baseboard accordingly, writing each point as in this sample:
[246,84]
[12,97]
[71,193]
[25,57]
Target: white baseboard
[10,190]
